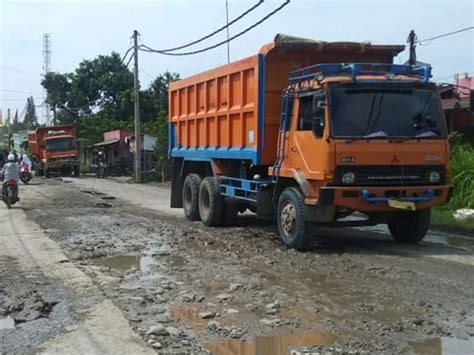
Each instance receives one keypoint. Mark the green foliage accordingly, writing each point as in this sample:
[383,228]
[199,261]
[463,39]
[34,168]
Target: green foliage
[159,129]
[462,169]
[93,127]
[30,121]
[98,97]
[152,176]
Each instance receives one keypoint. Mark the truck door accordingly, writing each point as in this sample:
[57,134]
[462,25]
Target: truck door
[309,152]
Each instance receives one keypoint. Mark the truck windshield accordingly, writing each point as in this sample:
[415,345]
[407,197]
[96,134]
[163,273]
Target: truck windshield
[384,110]
[60,144]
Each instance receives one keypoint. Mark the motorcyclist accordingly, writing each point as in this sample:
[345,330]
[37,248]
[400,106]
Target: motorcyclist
[26,160]
[101,163]
[11,171]
[100,157]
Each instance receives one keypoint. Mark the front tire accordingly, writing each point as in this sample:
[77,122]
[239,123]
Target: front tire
[190,196]
[211,202]
[291,219]
[410,227]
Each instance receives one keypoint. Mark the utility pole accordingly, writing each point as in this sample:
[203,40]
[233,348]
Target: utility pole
[412,39]
[136,89]
[228,43]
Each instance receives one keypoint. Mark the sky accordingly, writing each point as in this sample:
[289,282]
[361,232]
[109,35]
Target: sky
[88,28]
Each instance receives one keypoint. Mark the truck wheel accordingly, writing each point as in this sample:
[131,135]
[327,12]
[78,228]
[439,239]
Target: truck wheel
[410,227]
[191,196]
[291,219]
[229,214]
[211,202]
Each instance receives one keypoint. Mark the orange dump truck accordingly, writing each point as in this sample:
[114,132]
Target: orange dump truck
[54,148]
[311,132]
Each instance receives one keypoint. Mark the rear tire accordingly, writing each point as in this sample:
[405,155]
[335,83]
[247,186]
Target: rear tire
[9,201]
[410,227]
[190,196]
[211,202]
[291,219]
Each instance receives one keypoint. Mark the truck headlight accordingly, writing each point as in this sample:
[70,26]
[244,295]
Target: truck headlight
[434,176]
[348,178]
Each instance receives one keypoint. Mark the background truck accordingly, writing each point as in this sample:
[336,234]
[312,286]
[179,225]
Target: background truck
[311,132]
[54,148]
[19,142]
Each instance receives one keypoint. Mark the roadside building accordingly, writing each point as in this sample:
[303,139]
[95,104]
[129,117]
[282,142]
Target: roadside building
[148,145]
[117,154]
[458,103]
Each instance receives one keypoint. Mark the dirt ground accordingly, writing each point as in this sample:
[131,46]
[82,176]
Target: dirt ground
[184,288]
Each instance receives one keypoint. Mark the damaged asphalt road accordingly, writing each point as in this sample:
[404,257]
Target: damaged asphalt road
[132,270]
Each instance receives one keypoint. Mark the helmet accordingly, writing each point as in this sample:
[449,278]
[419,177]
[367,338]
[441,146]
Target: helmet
[11,157]
[101,152]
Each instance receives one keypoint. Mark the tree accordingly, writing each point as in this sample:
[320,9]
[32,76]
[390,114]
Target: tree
[160,90]
[102,84]
[30,121]
[58,89]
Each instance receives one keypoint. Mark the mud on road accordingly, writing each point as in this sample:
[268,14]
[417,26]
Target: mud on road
[185,288]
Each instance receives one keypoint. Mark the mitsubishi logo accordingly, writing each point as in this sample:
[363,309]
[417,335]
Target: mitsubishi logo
[394,159]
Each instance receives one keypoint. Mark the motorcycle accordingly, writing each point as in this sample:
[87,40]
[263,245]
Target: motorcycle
[101,170]
[10,193]
[25,174]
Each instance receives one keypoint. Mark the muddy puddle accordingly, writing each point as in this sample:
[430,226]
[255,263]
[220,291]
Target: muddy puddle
[444,346]
[7,323]
[144,263]
[283,344]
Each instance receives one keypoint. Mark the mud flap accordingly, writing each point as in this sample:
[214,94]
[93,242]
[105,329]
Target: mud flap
[176,184]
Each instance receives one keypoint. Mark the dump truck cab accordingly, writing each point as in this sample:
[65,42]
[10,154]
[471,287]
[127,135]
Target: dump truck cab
[55,149]
[364,137]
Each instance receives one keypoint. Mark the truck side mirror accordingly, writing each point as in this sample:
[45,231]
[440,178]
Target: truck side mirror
[318,105]
[318,126]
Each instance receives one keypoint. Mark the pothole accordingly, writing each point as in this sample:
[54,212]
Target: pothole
[142,262]
[283,344]
[108,198]
[103,205]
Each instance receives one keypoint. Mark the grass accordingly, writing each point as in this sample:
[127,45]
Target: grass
[443,217]
[462,169]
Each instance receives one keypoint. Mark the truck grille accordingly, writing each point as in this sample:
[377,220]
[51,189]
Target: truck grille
[380,175]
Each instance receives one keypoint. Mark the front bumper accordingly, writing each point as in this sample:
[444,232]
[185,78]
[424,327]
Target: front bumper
[375,199]
[61,163]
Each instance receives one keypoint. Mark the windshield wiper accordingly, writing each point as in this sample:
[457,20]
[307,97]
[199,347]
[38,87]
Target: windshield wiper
[373,135]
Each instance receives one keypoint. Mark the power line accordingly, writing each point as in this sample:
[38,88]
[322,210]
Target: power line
[9,67]
[21,92]
[17,99]
[220,29]
[129,60]
[145,48]
[445,34]
[147,74]
[125,55]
